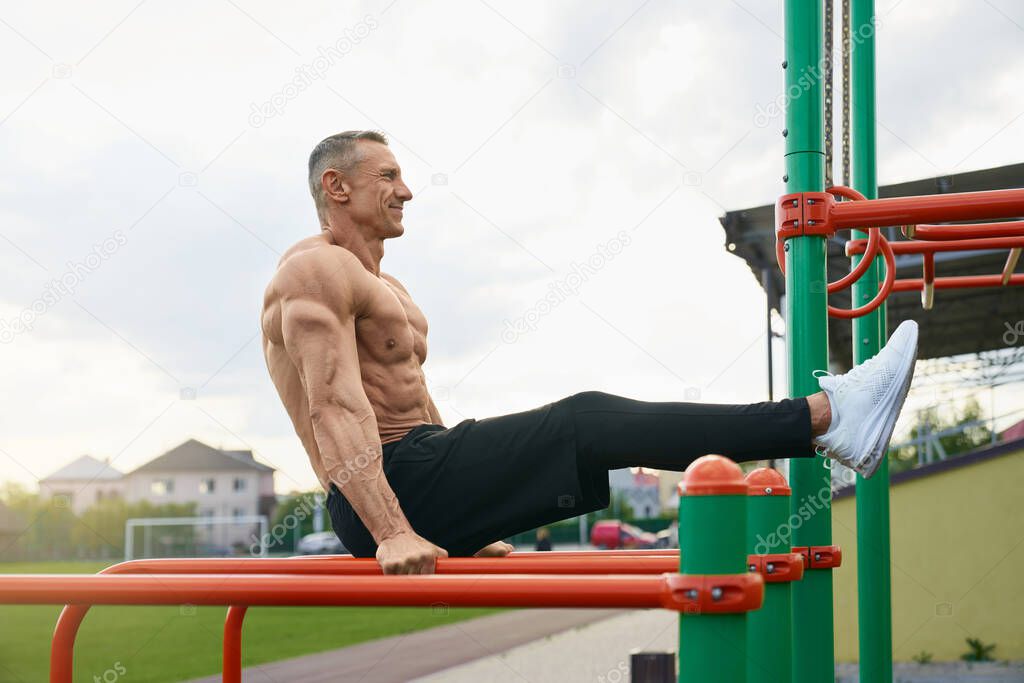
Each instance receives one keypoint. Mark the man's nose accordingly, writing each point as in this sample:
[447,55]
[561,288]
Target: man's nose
[403,192]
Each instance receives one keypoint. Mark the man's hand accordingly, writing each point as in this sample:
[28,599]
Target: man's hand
[408,553]
[496,549]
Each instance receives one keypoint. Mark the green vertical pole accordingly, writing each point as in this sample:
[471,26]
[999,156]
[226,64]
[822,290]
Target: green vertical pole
[869,334]
[712,530]
[807,333]
[769,639]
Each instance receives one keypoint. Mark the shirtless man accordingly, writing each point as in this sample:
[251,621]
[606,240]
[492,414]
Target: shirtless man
[345,345]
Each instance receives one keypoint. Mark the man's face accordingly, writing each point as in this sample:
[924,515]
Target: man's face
[378,192]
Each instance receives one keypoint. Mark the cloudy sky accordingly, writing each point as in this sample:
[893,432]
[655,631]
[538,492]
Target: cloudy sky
[154,170]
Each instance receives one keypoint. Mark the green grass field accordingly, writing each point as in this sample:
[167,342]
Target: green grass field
[158,644]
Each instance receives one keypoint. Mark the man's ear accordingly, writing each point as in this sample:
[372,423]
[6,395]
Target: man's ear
[335,185]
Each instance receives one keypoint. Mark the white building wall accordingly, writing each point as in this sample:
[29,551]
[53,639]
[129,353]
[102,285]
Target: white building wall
[223,501]
[81,494]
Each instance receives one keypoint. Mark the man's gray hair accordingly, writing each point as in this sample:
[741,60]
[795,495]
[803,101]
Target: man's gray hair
[340,152]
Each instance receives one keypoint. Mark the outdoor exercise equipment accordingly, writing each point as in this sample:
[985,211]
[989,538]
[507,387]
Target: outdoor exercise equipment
[810,213]
[753,587]
[720,585]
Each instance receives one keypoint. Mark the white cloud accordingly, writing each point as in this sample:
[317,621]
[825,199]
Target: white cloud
[557,127]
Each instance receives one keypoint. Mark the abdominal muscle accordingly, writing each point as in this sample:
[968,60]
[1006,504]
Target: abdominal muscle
[396,392]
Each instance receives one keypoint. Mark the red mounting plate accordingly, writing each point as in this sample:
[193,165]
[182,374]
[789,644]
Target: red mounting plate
[804,213]
[716,593]
[777,567]
[821,556]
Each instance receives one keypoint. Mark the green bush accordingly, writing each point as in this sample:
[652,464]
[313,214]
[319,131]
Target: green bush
[979,652]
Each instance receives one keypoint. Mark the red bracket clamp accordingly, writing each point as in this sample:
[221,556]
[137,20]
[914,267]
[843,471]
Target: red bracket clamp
[715,593]
[804,213]
[777,567]
[821,556]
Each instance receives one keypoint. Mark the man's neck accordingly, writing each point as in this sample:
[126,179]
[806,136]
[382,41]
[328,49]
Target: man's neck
[369,252]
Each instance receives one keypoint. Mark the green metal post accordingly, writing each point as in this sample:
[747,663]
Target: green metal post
[869,334]
[807,334]
[712,530]
[769,637]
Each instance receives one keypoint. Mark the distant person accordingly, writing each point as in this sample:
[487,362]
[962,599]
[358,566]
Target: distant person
[543,539]
[345,344]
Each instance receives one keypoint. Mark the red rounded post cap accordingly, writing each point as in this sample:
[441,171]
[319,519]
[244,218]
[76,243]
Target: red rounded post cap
[712,475]
[764,481]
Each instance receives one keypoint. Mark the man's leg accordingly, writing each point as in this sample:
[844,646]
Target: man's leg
[614,432]
[851,420]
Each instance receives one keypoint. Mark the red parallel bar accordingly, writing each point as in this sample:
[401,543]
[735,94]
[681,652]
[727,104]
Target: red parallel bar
[938,208]
[959,232]
[231,671]
[957,282]
[574,562]
[914,247]
[581,554]
[544,563]
[471,590]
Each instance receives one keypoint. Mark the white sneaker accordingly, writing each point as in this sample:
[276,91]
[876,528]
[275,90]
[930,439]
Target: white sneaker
[866,402]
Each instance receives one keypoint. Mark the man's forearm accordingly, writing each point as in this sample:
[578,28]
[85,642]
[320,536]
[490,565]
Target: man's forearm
[355,466]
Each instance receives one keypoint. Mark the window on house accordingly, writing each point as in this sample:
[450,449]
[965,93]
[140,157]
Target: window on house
[207,485]
[238,512]
[162,487]
[239,484]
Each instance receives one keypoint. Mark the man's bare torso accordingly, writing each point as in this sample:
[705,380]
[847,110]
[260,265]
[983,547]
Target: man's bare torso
[390,337]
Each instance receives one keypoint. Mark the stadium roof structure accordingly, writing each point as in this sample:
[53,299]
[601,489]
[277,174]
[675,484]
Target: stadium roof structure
[962,321]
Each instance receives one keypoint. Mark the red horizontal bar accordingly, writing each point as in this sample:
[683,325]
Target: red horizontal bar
[957,282]
[526,563]
[858,246]
[581,554]
[937,208]
[959,232]
[472,590]
[575,562]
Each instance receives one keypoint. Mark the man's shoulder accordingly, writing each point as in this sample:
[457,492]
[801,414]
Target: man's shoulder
[394,280]
[318,264]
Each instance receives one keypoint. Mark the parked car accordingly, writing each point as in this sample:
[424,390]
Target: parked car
[612,534]
[669,538]
[321,543]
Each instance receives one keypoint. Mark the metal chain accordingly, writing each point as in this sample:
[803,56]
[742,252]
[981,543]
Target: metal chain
[827,78]
[846,92]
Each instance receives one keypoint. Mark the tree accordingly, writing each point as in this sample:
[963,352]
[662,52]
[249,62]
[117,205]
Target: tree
[99,532]
[294,517]
[960,431]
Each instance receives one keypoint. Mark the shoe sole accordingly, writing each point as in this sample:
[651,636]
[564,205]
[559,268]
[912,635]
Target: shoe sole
[880,444]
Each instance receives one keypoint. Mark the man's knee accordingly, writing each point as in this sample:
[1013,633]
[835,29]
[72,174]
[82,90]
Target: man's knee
[586,400]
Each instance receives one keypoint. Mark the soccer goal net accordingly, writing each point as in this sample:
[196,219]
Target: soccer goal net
[195,536]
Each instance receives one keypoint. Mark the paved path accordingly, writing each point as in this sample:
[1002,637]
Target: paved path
[596,653]
[402,658]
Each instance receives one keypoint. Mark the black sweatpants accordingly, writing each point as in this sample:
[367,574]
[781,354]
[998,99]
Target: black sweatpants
[483,480]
